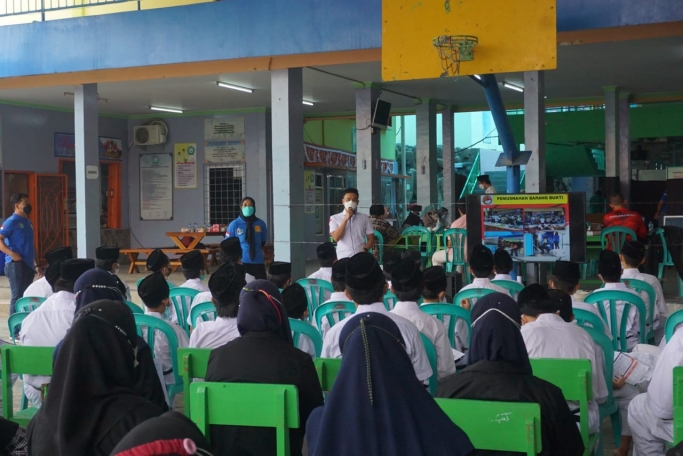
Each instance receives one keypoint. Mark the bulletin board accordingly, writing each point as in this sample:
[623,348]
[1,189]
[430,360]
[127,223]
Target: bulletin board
[156,187]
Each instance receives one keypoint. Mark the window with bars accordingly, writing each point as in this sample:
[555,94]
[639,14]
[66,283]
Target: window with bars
[224,189]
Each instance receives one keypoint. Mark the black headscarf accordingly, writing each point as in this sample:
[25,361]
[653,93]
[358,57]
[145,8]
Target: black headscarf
[93,382]
[250,236]
[392,412]
[496,332]
[95,285]
[261,310]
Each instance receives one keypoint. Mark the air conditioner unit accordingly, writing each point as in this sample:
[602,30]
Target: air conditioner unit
[149,135]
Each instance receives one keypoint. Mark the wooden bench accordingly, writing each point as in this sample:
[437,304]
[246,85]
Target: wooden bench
[136,261]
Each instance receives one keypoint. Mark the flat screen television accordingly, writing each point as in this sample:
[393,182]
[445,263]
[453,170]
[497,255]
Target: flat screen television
[532,227]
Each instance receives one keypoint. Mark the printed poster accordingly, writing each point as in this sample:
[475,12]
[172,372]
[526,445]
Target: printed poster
[109,148]
[224,129]
[223,151]
[309,191]
[185,158]
[156,187]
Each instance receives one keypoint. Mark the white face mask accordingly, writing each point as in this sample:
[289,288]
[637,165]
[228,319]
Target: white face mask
[481,186]
[116,270]
[351,204]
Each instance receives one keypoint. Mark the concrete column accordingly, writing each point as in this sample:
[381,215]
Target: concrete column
[258,182]
[611,140]
[288,160]
[426,153]
[625,146]
[449,196]
[534,130]
[368,149]
[87,170]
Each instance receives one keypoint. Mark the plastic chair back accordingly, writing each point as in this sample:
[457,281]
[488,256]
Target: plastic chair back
[457,237]
[315,292]
[204,310]
[251,404]
[379,240]
[513,287]
[304,328]
[672,321]
[666,257]
[615,236]
[390,300]
[327,369]
[455,313]
[431,355]
[618,328]
[425,243]
[136,309]
[471,293]
[29,303]
[341,309]
[193,362]
[514,426]
[17,359]
[678,404]
[181,298]
[15,321]
[588,319]
[640,287]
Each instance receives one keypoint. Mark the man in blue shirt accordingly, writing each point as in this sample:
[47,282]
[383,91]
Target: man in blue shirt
[16,234]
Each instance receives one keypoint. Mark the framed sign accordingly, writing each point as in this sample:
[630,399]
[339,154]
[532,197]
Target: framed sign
[156,187]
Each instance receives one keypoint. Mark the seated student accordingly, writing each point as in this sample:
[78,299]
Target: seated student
[47,325]
[225,285]
[499,370]
[632,256]
[107,259]
[327,256]
[92,403]
[393,413]
[193,265]
[435,285]
[481,267]
[408,285]
[650,415]
[296,304]
[565,277]
[365,285]
[609,271]
[563,304]
[502,265]
[389,260]
[41,288]
[547,335]
[263,354]
[280,274]
[339,286]
[158,261]
[154,291]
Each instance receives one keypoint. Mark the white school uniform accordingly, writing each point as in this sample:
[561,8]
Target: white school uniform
[195,284]
[485,283]
[435,332]
[650,414]
[552,337]
[323,274]
[162,352]
[353,240]
[335,296]
[306,344]
[39,289]
[504,277]
[594,310]
[632,325]
[461,331]
[214,334]
[411,336]
[46,327]
[661,311]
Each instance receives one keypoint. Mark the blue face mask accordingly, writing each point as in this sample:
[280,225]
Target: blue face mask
[201,277]
[167,314]
[248,211]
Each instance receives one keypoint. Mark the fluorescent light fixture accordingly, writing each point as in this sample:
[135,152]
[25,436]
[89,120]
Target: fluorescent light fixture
[233,87]
[157,108]
[307,103]
[476,76]
[507,85]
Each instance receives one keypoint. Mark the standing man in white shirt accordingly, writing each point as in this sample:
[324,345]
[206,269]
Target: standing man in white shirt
[193,265]
[42,288]
[365,285]
[408,285]
[485,184]
[353,232]
[327,256]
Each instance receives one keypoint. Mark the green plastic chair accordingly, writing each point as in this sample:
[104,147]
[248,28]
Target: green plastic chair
[15,321]
[672,321]
[573,377]
[204,310]
[315,293]
[425,244]
[181,298]
[588,319]
[29,303]
[390,300]
[431,355]
[251,404]
[327,369]
[497,426]
[513,287]
[640,286]
[156,324]
[18,359]
[457,237]
[136,309]
[455,313]
[341,309]
[304,328]
[471,293]
[193,362]
[379,239]
[618,329]
[666,257]
[678,404]
[615,236]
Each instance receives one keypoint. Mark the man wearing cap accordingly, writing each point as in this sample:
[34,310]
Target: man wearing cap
[42,288]
[485,184]
[280,274]
[193,265]
[352,231]
[408,285]
[502,265]
[225,284]
[327,256]
[435,286]
[365,286]
[107,259]
[339,294]
[390,235]
[47,325]
[158,261]
[633,255]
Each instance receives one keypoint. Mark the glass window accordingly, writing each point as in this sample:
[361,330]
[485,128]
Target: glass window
[224,190]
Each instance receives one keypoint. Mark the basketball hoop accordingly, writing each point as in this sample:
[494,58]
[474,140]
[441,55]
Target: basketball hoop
[454,49]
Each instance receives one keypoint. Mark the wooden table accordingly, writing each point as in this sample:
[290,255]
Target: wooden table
[197,236]
[136,262]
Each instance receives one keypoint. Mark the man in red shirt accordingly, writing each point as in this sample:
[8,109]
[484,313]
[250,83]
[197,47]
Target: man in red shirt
[621,216]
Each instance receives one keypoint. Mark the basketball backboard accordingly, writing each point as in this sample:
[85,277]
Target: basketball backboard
[512,35]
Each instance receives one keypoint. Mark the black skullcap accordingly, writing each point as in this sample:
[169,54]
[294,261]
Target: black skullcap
[390,258]
[339,270]
[156,260]
[153,289]
[609,264]
[413,255]
[567,270]
[535,296]
[295,300]
[377,209]
[279,268]
[483,178]
[434,278]
[563,304]
[415,208]
[231,247]
[363,272]
[227,281]
[53,271]
[60,253]
[326,251]
[406,276]
[481,258]
[192,260]
[107,253]
[72,269]
[634,250]
[502,260]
